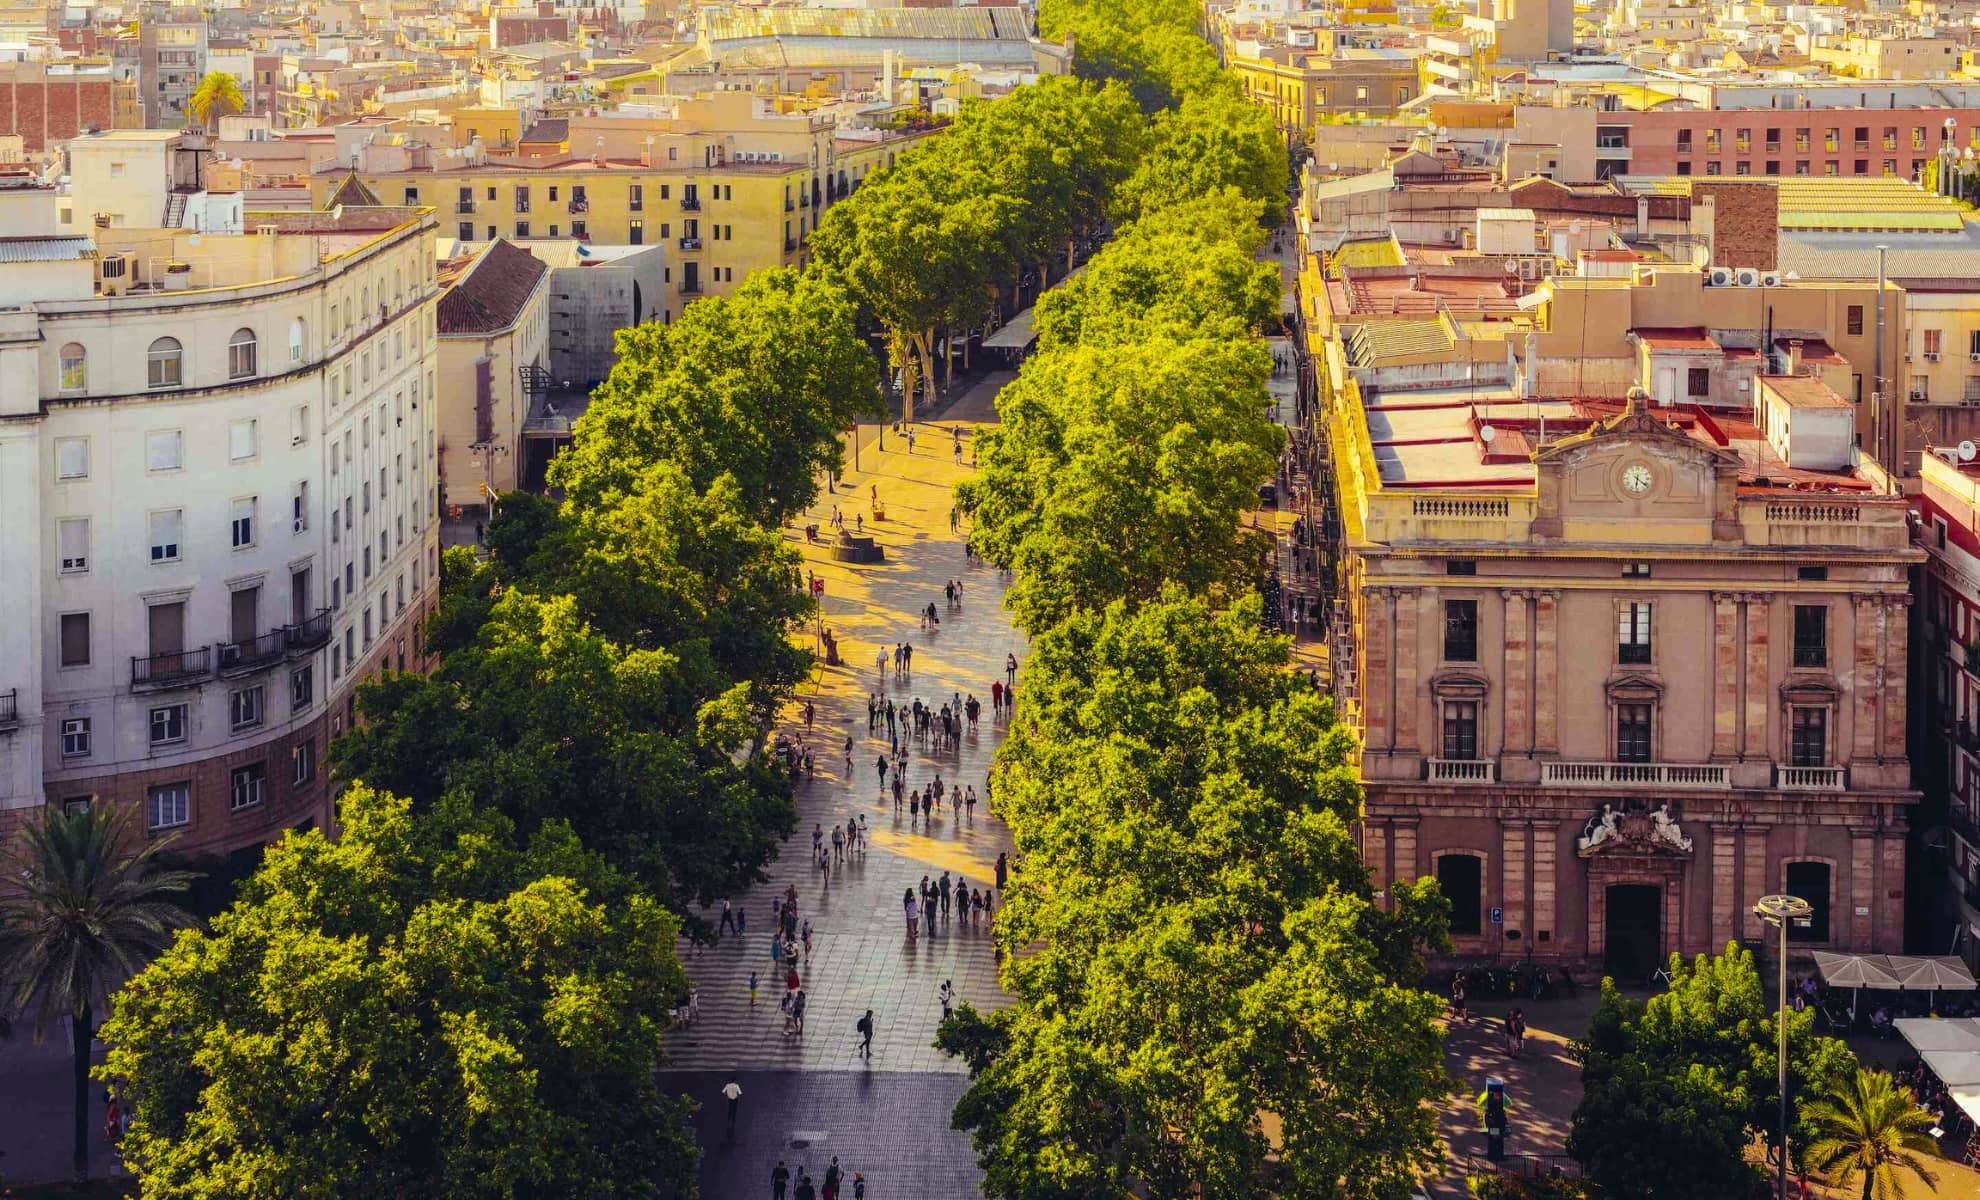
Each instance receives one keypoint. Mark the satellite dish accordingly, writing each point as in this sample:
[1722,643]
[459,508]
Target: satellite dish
[1490,435]
[193,240]
[1967,450]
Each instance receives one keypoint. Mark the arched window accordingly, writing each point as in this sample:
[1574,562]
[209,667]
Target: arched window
[298,336]
[398,286]
[163,362]
[240,354]
[364,305]
[75,368]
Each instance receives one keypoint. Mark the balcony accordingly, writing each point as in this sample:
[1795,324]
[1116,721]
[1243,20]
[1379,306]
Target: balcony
[1700,777]
[788,205]
[180,668]
[1809,779]
[240,658]
[691,288]
[690,243]
[10,709]
[1461,770]
[464,207]
[578,204]
[790,245]
[690,204]
[310,635]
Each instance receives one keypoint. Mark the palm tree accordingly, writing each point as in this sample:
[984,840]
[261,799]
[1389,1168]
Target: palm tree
[86,917]
[217,95]
[1870,1126]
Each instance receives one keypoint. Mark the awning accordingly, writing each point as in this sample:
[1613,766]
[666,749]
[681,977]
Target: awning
[1855,971]
[1931,974]
[1939,1033]
[1955,1068]
[1015,335]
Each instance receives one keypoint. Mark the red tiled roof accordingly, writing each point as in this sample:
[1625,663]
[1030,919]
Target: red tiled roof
[490,295]
[1677,339]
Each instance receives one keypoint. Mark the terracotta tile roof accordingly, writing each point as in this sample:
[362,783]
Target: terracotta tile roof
[352,194]
[549,129]
[490,294]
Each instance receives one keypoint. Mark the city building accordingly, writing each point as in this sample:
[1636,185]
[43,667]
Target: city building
[171,61]
[1946,754]
[220,455]
[494,327]
[46,104]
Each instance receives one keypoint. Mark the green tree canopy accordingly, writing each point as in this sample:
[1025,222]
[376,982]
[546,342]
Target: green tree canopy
[756,385]
[1215,140]
[1193,940]
[426,1007]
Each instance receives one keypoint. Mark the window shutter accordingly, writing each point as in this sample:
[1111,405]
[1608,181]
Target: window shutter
[484,400]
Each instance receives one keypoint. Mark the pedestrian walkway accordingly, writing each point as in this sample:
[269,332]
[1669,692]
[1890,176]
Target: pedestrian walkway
[861,956]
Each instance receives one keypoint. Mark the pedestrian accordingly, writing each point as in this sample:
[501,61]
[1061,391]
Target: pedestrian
[907,904]
[804,1189]
[728,924]
[928,913]
[859,1186]
[947,995]
[790,974]
[732,1091]
[880,662]
[849,755]
[838,843]
[742,916]
[865,1028]
[910,439]
[817,839]
[899,790]
[943,889]
[981,901]
[752,989]
[832,1174]
[1003,869]
[997,697]
[880,767]
[1458,1012]
[1010,670]
[807,940]
[969,803]
[776,952]
[914,807]
[780,1176]
[949,591]
[808,713]
[797,1010]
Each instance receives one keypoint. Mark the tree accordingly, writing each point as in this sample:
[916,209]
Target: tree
[86,916]
[427,1007]
[1869,1126]
[1215,140]
[1701,1061]
[1199,939]
[1120,467]
[757,385]
[218,95]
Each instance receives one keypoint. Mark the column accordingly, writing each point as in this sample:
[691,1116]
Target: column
[1725,884]
[1546,883]
[1897,634]
[1725,676]
[1866,644]
[1408,602]
[1758,634]
[1517,708]
[1754,879]
[1546,672]
[1377,664]
[1404,835]
[1861,893]
[1512,880]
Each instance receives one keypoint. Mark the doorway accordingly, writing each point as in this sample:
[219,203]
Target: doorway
[1634,946]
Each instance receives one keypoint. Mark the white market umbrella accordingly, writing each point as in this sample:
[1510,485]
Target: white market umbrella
[1940,973]
[1939,1033]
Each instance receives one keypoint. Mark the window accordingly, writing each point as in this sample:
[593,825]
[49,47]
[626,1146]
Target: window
[464,231]
[522,229]
[637,199]
[302,760]
[75,639]
[1853,320]
[164,450]
[1461,630]
[75,368]
[1801,142]
[1460,566]
[1810,881]
[1811,635]
[1811,574]
[243,440]
[246,786]
[72,544]
[1698,381]
[1633,633]
[302,688]
[72,458]
[1636,570]
[168,806]
[240,354]
[1808,742]
[299,509]
[636,232]
[298,335]
[165,529]
[1632,733]
[1743,140]
[522,197]
[163,363]
[1831,139]
[244,708]
[75,737]
[168,724]
[1461,876]
[243,522]
[1461,729]
[1934,340]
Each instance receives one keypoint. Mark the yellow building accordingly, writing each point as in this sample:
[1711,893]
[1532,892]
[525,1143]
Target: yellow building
[1305,87]
[725,182]
[494,336]
[1870,57]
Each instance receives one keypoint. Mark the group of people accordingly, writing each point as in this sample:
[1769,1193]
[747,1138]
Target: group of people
[835,1178]
[973,909]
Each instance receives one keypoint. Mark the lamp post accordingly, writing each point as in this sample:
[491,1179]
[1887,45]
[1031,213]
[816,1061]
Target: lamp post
[1948,158]
[1782,911]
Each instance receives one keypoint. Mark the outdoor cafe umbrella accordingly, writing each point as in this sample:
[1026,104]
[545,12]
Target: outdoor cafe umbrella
[1854,971]
[1942,973]
[1939,1033]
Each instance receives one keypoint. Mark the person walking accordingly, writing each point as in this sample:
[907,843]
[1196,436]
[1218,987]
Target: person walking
[832,1176]
[880,767]
[728,923]
[807,940]
[797,1011]
[804,1189]
[838,843]
[943,889]
[732,1092]
[872,711]
[809,712]
[865,1028]
[908,906]
[1003,869]
[947,995]
[780,1177]
[752,989]
[997,697]
[859,1186]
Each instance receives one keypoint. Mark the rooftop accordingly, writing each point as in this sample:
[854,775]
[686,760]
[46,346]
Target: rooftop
[489,294]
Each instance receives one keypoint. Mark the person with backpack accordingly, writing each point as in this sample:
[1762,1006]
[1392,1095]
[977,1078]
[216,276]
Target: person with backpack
[865,1029]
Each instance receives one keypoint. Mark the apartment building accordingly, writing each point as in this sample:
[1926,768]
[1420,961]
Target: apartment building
[1947,750]
[219,452]
[49,103]
[1304,87]
[171,60]
[494,334]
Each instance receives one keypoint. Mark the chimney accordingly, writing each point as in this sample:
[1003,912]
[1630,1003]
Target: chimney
[1794,356]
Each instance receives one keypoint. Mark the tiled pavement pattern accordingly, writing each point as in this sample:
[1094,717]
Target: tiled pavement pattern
[861,957]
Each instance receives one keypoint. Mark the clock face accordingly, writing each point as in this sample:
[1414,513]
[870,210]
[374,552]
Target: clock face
[1637,478]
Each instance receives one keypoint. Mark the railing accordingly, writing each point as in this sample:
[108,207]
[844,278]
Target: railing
[690,243]
[522,206]
[1484,510]
[1809,779]
[690,204]
[308,636]
[175,669]
[557,426]
[578,204]
[1811,657]
[691,288]
[1700,776]
[464,207]
[1461,770]
[10,708]
[788,206]
[790,245]
[1812,513]
[253,654]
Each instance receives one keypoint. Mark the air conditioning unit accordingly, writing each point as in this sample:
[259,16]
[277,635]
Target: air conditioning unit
[1770,279]
[1746,277]
[116,266]
[1931,356]
[299,524]
[1975,357]
[1719,277]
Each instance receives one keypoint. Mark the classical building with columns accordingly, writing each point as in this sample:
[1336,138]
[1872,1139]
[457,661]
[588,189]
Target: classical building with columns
[1622,669]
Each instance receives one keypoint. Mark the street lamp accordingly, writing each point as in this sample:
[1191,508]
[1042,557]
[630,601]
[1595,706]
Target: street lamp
[1782,911]
[1948,158]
